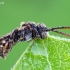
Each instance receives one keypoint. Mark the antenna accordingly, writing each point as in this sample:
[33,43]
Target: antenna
[55,29]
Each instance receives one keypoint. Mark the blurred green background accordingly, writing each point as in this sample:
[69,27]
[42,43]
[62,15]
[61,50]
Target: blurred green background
[51,12]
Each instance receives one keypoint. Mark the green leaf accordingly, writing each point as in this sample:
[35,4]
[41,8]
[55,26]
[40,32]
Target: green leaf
[52,53]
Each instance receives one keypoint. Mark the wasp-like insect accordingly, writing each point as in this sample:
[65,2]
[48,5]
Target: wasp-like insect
[27,31]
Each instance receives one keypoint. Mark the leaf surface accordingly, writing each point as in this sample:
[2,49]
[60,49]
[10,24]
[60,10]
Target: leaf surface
[52,53]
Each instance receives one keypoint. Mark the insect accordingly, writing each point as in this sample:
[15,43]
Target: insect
[27,31]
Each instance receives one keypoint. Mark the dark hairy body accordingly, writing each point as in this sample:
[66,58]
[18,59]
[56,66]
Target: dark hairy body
[27,31]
